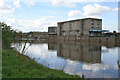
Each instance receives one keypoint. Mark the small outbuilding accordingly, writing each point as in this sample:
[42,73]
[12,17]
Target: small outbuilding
[52,31]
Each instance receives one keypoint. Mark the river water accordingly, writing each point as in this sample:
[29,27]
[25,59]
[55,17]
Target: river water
[89,59]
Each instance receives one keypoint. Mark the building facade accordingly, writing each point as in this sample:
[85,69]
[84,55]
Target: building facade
[52,31]
[80,27]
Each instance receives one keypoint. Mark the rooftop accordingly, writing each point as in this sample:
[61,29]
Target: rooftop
[80,19]
[52,27]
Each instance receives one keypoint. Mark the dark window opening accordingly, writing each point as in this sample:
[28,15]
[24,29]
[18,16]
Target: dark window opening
[82,27]
[92,23]
[70,24]
[92,27]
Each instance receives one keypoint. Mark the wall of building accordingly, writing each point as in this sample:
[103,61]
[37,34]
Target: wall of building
[78,27]
[102,40]
[91,24]
[52,31]
[69,28]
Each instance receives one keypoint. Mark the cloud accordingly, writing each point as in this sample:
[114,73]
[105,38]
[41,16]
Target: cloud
[73,3]
[26,25]
[94,0]
[17,3]
[4,8]
[74,13]
[95,67]
[63,3]
[30,3]
[95,10]
[71,18]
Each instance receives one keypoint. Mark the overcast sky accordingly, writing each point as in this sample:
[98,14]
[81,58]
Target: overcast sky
[38,15]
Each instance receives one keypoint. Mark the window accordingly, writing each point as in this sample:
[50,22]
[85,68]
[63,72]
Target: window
[77,30]
[70,24]
[98,24]
[98,27]
[92,27]
[82,27]
[92,23]
[60,25]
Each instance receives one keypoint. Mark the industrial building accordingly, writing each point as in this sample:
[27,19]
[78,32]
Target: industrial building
[52,31]
[80,27]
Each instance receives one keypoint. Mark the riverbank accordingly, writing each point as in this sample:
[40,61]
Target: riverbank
[16,65]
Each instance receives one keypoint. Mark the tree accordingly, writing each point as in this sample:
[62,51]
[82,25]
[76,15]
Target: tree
[114,32]
[7,35]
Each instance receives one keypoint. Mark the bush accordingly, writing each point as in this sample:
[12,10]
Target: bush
[7,35]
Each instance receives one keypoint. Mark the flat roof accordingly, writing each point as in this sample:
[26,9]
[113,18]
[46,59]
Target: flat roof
[80,19]
[52,27]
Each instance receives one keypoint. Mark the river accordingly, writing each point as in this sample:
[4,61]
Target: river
[75,58]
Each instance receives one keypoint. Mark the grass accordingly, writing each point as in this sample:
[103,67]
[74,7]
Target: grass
[118,64]
[15,65]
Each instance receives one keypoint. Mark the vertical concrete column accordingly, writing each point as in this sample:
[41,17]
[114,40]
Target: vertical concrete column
[58,29]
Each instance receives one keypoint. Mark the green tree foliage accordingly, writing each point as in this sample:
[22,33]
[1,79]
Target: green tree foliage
[7,35]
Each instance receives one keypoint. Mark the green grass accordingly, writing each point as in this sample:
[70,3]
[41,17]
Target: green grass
[118,63]
[15,65]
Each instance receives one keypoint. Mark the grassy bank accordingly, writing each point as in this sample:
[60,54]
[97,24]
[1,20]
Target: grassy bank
[16,65]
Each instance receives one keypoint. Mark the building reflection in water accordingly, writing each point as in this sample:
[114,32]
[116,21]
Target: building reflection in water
[94,60]
[78,52]
[52,46]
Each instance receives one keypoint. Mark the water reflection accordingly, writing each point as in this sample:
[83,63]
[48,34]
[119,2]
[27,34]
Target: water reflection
[84,53]
[52,46]
[92,60]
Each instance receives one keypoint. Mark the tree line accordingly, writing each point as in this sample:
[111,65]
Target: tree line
[7,34]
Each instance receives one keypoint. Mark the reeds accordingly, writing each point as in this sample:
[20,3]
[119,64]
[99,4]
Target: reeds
[25,48]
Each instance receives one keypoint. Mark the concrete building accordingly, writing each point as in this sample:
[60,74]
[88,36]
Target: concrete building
[52,31]
[80,27]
